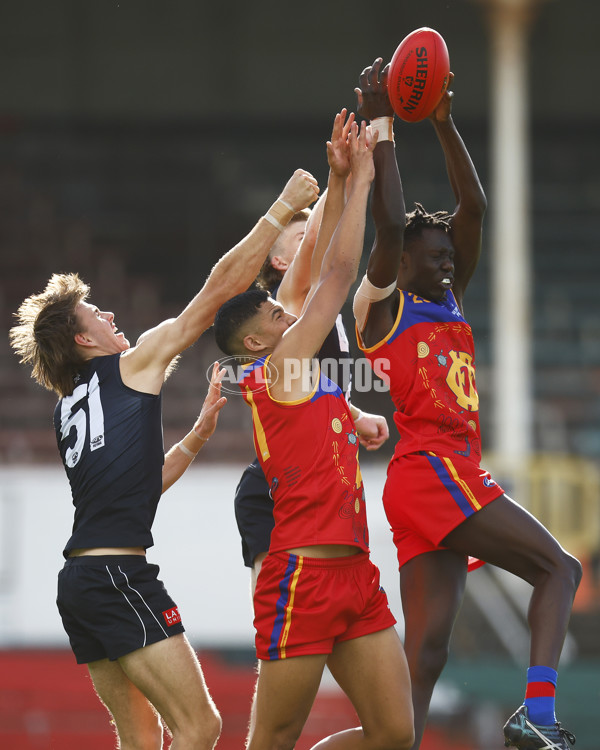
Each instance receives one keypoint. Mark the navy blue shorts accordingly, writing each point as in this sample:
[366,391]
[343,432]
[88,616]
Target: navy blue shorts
[112,605]
[253,513]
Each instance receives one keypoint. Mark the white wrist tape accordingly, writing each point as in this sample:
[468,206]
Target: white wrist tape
[356,413]
[186,451]
[279,214]
[365,295]
[385,127]
[274,222]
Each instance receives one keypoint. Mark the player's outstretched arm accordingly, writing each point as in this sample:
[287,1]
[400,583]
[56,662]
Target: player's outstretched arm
[143,367]
[471,203]
[301,276]
[387,202]
[181,455]
[295,284]
[236,270]
[338,158]
[338,270]
[374,300]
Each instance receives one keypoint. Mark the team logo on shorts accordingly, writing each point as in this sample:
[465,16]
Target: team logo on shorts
[488,481]
[172,616]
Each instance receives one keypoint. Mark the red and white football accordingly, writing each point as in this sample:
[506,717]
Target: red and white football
[418,75]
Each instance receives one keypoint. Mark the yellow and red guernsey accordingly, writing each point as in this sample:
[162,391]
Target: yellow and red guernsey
[308,450]
[428,360]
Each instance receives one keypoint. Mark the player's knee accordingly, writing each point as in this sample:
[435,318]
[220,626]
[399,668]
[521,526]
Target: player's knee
[215,726]
[208,732]
[573,571]
[201,733]
[399,735]
[426,656]
[565,569]
[427,662]
[146,737]
[285,739]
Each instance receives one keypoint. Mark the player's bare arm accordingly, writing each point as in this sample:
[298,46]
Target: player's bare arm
[387,204]
[298,280]
[180,456]
[295,284]
[471,202]
[338,271]
[372,429]
[338,158]
[144,366]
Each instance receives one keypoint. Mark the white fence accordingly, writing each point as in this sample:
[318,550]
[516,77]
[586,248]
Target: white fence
[197,546]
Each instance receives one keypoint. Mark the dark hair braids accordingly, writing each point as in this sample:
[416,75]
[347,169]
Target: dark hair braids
[419,219]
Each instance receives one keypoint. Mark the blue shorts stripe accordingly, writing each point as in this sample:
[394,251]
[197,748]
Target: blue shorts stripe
[282,602]
[449,483]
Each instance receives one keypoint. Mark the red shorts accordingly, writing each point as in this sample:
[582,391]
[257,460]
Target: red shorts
[427,496]
[305,605]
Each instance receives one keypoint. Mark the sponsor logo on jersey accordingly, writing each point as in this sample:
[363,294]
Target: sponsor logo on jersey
[172,616]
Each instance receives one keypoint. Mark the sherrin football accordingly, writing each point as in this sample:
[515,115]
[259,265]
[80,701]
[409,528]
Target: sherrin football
[418,75]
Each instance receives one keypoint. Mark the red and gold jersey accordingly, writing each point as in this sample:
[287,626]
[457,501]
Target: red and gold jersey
[428,360]
[308,450]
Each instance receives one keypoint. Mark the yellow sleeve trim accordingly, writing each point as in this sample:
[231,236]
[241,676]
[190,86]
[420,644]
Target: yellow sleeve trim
[259,430]
[369,349]
[302,400]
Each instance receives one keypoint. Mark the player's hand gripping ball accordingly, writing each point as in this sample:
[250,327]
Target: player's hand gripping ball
[419,73]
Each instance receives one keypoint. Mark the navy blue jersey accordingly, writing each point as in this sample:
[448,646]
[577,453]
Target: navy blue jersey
[111,443]
[335,358]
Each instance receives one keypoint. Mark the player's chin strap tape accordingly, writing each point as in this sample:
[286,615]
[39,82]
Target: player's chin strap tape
[365,295]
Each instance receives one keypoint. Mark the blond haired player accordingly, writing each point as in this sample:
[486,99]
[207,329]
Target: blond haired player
[119,617]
